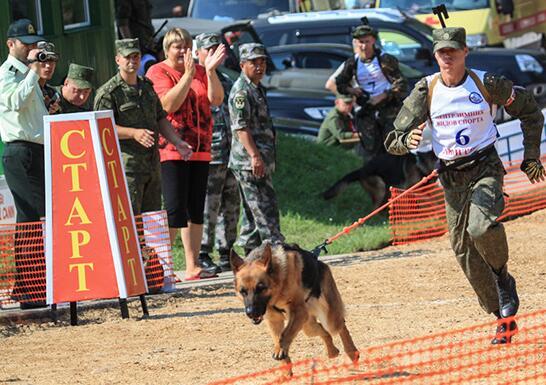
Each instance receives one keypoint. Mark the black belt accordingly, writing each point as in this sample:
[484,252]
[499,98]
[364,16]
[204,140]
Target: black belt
[468,162]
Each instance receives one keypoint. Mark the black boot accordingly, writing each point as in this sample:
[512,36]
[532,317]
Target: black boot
[206,263]
[506,328]
[223,262]
[508,296]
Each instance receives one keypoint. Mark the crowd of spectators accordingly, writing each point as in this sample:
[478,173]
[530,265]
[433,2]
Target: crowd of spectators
[171,124]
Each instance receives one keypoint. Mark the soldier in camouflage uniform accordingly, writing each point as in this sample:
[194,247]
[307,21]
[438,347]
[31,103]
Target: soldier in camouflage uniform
[139,119]
[380,91]
[76,91]
[252,157]
[222,201]
[457,104]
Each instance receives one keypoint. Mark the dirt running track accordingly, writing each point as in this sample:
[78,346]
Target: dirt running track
[197,336]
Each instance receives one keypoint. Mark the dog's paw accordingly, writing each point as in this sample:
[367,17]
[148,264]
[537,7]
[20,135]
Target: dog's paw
[280,353]
[354,356]
[333,352]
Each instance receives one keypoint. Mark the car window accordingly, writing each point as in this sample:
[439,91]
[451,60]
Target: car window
[169,8]
[274,38]
[282,61]
[340,35]
[295,35]
[425,6]
[236,9]
[398,44]
[318,60]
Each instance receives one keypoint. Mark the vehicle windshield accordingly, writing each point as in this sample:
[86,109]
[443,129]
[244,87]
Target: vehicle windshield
[236,9]
[425,6]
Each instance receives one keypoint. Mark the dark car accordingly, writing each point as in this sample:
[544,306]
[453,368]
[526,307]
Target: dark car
[323,57]
[404,37]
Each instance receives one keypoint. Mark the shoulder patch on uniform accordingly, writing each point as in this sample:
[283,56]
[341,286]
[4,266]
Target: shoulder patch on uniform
[239,101]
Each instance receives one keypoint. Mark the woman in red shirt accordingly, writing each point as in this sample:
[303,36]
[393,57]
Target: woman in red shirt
[187,90]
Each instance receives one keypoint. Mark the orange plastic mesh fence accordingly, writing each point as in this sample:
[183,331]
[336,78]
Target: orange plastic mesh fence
[22,258]
[463,356]
[156,249]
[421,214]
[22,263]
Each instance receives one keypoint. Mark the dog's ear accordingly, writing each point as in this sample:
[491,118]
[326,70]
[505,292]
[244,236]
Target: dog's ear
[266,256]
[235,261]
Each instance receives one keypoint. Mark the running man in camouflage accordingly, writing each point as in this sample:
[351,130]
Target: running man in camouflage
[252,157]
[222,202]
[457,104]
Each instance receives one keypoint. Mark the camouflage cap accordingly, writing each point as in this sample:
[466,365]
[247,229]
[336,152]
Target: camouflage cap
[126,47]
[448,38]
[364,30]
[80,75]
[24,31]
[207,40]
[250,51]
[346,98]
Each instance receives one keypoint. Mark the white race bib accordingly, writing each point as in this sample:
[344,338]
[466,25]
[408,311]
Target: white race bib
[370,77]
[461,119]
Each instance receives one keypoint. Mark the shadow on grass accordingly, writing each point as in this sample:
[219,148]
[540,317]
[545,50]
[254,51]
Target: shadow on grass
[305,169]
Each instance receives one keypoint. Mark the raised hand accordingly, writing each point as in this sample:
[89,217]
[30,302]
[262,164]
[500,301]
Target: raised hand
[214,59]
[189,64]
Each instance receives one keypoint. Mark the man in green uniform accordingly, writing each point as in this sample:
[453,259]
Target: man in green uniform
[457,105]
[76,90]
[381,88]
[139,119]
[337,126]
[252,156]
[222,202]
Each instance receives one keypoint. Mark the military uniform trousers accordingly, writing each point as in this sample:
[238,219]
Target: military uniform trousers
[374,125]
[24,171]
[260,221]
[474,200]
[222,204]
[143,175]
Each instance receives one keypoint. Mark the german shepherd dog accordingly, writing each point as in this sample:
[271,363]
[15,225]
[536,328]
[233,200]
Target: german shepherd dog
[291,290]
[384,171]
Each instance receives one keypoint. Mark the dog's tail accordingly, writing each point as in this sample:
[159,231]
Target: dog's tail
[342,184]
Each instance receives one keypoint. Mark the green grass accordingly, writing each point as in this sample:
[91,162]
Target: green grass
[304,170]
